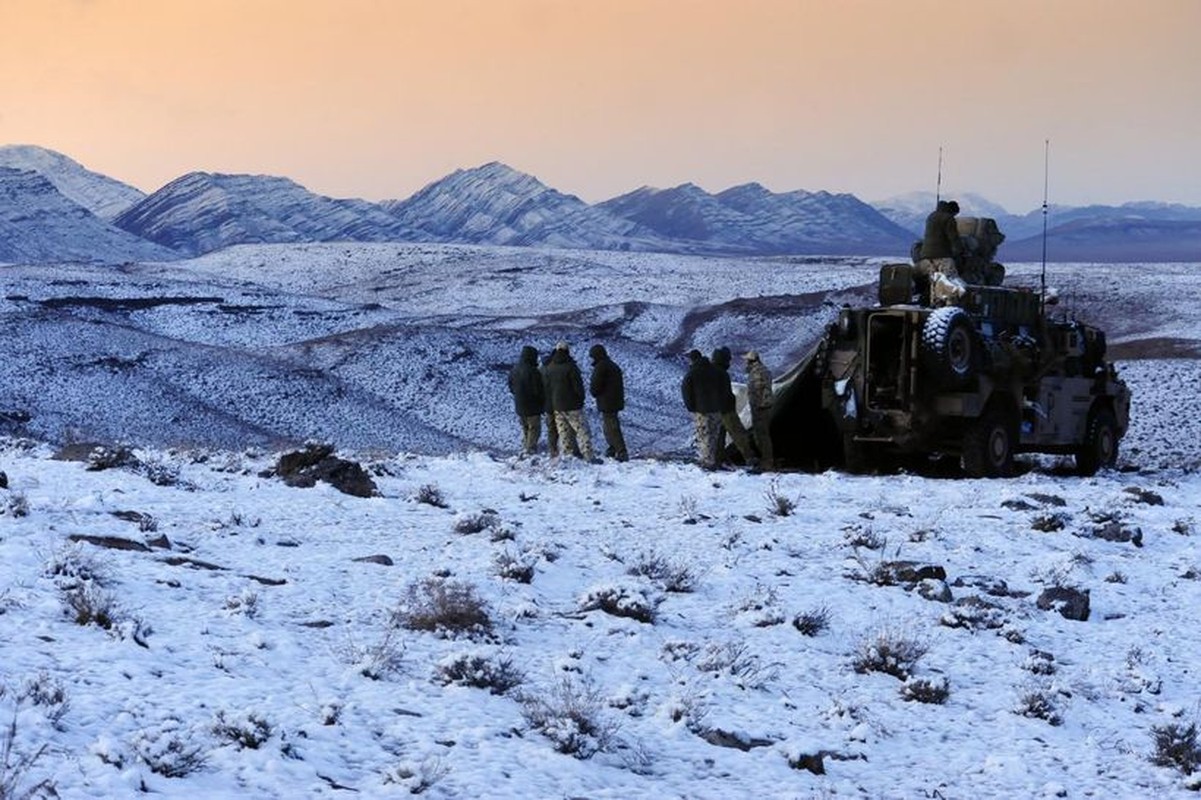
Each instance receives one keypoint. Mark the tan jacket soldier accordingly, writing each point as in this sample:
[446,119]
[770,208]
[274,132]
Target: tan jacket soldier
[760,399]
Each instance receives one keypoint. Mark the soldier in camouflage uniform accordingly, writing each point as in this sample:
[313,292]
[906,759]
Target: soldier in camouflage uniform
[760,399]
[525,383]
[607,385]
[565,389]
[730,422]
[701,389]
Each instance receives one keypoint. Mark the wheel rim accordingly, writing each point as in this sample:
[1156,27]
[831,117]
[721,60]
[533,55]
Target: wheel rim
[1105,446]
[959,351]
[998,447]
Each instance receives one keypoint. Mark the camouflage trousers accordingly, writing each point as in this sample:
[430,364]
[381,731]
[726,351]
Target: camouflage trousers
[573,429]
[708,432]
[732,425]
[531,432]
[615,442]
[761,427]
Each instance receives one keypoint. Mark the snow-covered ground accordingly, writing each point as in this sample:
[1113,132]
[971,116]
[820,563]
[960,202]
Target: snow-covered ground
[188,625]
[262,639]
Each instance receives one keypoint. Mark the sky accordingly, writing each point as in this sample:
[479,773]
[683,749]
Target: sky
[377,98]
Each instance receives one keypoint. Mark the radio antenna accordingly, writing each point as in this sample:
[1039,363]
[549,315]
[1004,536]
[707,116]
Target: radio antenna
[1042,301]
[938,185]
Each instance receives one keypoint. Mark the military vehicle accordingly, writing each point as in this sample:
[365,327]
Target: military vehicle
[980,380]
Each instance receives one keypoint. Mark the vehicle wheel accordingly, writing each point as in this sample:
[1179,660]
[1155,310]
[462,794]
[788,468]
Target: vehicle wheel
[949,346]
[1100,446]
[988,446]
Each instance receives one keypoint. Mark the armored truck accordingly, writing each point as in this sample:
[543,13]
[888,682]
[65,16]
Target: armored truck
[980,380]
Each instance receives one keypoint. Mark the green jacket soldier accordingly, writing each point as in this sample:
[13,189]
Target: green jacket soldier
[607,386]
[941,252]
[730,422]
[760,398]
[529,398]
[565,389]
[701,389]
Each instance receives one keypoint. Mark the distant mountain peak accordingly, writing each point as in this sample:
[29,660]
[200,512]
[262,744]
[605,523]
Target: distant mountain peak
[100,194]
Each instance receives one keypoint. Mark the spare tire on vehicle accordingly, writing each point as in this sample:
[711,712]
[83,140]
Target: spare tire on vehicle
[950,351]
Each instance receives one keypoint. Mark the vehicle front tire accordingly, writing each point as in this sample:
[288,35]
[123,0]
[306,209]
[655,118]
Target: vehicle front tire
[1100,446]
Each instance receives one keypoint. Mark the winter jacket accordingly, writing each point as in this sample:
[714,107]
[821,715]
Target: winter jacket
[525,382]
[606,383]
[721,366]
[564,383]
[941,239]
[702,387]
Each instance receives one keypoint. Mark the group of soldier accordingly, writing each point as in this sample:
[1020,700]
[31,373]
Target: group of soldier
[555,390]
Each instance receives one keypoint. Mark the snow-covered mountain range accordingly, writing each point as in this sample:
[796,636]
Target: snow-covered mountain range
[495,204]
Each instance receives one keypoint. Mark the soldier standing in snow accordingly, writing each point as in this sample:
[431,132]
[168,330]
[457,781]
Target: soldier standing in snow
[730,423]
[701,389]
[525,384]
[760,398]
[608,387]
[565,390]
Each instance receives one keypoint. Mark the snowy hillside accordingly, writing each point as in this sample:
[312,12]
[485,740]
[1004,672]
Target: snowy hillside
[495,204]
[183,626]
[38,224]
[405,347]
[100,194]
[751,219]
[202,212]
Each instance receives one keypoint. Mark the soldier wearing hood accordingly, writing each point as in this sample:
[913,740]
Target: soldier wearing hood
[608,388]
[730,423]
[525,384]
[760,398]
[565,391]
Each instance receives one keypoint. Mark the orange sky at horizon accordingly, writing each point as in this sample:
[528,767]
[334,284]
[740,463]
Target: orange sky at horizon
[376,98]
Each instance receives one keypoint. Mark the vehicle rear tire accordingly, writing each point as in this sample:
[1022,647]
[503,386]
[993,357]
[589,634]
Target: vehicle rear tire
[988,445]
[1100,446]
[949,347]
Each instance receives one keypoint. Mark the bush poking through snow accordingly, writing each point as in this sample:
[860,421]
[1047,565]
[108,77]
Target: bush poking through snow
[890,651]
[468,524]
[621,600]
[48,694]
[926,690]
[668,575]
[381,659]
[445,607]
[417,778]
[430,495]
[1176,746]
[812,622]
[778,505]
[736,660]
[479,671]
[15,505]
[169,749]
[572,715]
[1038,704]
[91,605]
[246,604]
[72,567]
[514,567]
[247,732]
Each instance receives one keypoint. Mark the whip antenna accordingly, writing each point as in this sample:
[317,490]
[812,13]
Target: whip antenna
[1042,300]
[938,184]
